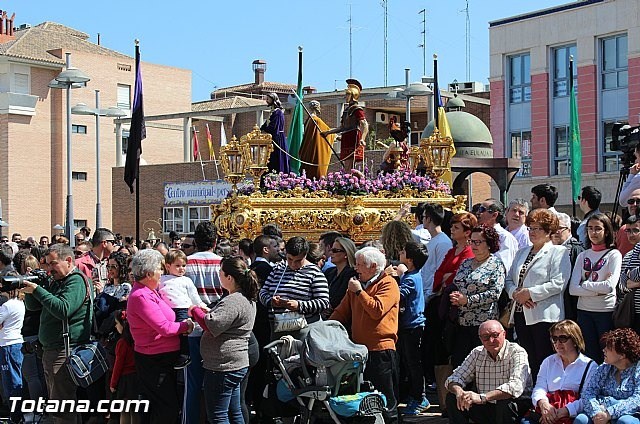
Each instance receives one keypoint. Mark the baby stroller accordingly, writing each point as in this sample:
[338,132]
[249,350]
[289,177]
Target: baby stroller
[319,378]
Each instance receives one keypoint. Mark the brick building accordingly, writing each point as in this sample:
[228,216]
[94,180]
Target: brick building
[529,90]
[33,124]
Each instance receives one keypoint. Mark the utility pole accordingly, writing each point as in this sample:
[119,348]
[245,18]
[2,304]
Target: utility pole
[385,6]
[424,41]
[468,41]
[350,44]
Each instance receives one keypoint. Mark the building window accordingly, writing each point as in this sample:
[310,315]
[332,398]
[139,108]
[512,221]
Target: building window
[173,219]
[79,176]
[125,141]
[561,70]
[521,149]
[124,97]
[519,78]
[79,223]
[561,154]
[610,158]
[614,62]
[197,214]
[78,129]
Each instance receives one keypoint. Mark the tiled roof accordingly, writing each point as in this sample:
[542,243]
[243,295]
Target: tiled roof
[34,43]
[265,87]
[226,103]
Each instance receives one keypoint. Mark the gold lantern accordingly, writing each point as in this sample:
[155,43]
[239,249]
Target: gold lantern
[437,152]
[256,148]
[415,155]
[233,162]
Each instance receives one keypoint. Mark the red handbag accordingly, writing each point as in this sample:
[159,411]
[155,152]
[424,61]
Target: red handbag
[561,398]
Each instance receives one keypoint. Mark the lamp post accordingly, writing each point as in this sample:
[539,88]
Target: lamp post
[68,79]
[410,91]
[114,112]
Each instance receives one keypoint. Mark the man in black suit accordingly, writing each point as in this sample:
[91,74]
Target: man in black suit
[267,253]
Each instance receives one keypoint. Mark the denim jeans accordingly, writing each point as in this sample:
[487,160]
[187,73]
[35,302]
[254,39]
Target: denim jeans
[593,326]
[33,373]
[625,419]
[222,396]
[193,385]
[10,368]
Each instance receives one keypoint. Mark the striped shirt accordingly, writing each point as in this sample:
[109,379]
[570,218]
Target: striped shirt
[203,268]
[307,285]
[630,271]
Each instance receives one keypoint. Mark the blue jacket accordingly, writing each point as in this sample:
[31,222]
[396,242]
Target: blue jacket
[411,300]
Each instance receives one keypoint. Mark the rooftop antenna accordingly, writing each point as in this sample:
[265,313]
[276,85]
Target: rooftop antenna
[350,44]
[385,6]
[423,12]
[468,40]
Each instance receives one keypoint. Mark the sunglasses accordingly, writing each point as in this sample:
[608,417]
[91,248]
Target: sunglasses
[561,339]
[187,245]
[337,250]
[633,202]
[632,230]
[475,242]
[482,209]
[78,253]
[489,336]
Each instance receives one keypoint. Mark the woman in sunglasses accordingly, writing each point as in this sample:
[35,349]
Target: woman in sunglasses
[562,377]
[536,282]
[343,256]
[479,282]
[594,279]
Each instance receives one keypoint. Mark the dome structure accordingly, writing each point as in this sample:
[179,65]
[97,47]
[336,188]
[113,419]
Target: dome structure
[470,135]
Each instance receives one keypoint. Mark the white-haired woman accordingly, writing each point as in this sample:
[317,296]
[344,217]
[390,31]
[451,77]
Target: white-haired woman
[371,307]
[155,333]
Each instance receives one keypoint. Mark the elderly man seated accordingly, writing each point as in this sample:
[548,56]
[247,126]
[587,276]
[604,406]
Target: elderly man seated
[498,371]
[371,308]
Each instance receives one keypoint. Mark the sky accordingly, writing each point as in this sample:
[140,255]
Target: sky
[218,40]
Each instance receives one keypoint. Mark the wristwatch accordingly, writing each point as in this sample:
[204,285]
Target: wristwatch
[358,292]
[483,398]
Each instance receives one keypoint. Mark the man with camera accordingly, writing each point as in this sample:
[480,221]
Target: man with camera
[66,299]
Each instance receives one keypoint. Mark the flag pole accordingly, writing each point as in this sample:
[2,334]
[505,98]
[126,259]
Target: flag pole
[195,135]
[573,198]
[213,153]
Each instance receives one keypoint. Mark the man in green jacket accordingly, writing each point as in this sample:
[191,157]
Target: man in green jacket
[66,299]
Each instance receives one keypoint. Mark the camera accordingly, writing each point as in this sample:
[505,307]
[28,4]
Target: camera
[625,139]
[13,282]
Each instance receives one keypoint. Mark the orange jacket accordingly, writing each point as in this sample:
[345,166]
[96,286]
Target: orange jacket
[373,315]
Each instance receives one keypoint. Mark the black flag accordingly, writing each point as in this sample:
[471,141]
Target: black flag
[138,131]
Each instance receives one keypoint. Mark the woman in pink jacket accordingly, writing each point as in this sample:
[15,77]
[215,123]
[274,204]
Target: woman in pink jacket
[155,333]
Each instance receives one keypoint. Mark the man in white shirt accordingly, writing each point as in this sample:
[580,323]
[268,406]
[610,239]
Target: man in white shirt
[516,216]
[491,213]
[439,245]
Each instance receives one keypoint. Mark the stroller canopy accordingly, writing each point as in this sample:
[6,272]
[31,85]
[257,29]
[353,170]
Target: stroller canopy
[327,343]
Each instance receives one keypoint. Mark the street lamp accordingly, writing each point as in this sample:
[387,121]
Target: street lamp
[114,112]
[412,90]
[68,79]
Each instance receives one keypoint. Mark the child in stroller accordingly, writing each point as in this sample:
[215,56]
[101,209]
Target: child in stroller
[320,378]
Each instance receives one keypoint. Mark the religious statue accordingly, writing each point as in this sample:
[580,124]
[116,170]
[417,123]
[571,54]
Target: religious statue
[316,148]
[278,160]
[353,127]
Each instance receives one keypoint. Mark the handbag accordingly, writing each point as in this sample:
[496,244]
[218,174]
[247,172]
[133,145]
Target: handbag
[86,362]
[506,312]
[288,321]
[624,312]
[561,398]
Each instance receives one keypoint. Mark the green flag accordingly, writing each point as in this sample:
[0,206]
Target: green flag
[296,130]
[574,139]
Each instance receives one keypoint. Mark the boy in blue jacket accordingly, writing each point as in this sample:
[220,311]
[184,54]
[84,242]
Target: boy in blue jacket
[411,325]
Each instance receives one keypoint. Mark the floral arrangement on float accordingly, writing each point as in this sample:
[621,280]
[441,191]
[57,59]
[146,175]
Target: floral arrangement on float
[400,183]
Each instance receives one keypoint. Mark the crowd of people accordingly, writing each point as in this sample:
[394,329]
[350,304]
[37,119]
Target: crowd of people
[505,313]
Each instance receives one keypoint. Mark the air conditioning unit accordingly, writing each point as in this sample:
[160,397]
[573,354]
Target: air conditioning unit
[384,117]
